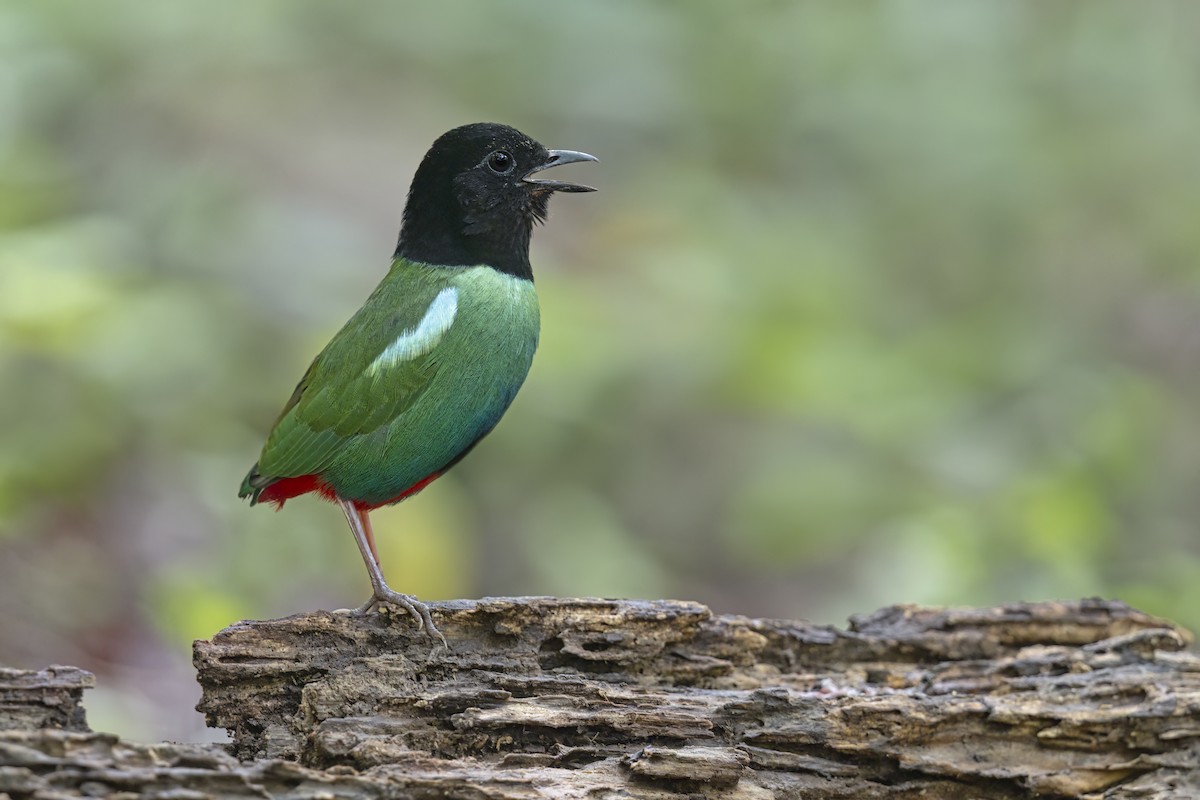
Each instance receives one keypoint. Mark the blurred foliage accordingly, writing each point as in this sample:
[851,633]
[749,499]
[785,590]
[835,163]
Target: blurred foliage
[878,303]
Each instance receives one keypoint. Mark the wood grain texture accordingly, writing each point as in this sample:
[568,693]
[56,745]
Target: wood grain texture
[48,698]
[569,698]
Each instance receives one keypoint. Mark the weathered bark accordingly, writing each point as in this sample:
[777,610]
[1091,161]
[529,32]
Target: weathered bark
[540,698]
[46,699]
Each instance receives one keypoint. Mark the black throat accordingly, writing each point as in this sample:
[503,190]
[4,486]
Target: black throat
[438,230]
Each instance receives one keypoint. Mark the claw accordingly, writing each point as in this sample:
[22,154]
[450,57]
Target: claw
[360,526]
[416,609]
[367,607]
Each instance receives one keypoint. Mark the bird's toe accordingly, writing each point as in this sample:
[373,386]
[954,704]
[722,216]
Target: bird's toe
[416,609]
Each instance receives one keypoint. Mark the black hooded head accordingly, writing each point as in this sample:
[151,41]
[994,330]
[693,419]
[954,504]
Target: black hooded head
[473,199]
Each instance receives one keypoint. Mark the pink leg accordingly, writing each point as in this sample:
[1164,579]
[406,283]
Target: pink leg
[360,526]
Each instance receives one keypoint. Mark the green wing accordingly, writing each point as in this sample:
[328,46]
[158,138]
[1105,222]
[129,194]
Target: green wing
[373,370]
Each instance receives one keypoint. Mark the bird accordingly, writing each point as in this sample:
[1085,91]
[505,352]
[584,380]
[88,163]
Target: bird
[433,359]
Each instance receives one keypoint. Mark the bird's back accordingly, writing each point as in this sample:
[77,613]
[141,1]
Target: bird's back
[419,375]
[479,364]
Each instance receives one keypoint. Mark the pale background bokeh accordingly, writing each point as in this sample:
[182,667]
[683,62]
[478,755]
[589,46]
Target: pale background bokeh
[877,303]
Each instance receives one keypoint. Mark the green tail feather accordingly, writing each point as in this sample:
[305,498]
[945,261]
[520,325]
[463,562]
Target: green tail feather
[252,485]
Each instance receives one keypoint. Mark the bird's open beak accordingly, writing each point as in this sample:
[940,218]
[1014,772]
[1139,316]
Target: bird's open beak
[556,158]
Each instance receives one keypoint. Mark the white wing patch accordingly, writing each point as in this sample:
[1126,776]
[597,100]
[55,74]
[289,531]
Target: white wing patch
[417,341]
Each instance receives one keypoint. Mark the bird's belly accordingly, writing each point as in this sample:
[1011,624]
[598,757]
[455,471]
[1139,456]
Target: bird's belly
[485,360]
[384,465]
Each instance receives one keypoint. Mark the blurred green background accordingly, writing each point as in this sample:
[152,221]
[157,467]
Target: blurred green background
[877,303]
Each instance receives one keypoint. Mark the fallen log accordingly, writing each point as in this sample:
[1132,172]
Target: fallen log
[543,697]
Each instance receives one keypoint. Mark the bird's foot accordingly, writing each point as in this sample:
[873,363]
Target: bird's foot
[418,610]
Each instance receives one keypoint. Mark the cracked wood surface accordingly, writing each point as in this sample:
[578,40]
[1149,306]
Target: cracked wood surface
[49,698]
[542,697]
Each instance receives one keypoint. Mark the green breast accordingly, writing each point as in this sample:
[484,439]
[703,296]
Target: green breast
[471,374]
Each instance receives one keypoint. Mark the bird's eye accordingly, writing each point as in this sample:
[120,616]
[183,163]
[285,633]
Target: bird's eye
[500,162]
